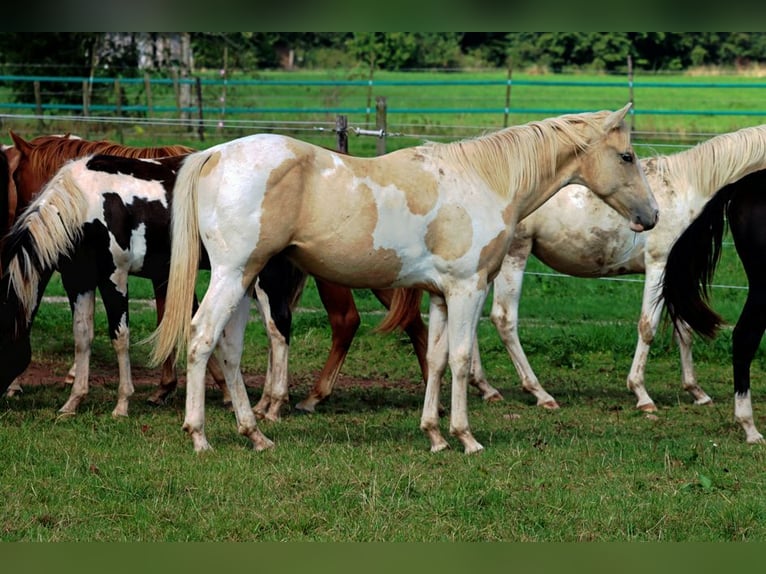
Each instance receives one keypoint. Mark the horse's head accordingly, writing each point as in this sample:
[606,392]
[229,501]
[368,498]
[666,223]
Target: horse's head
[610,168]
[27,178]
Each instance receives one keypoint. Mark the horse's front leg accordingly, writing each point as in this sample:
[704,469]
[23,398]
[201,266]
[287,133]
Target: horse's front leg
[463,312]
[437,355]
[115,297]
[83,306]
[651,311]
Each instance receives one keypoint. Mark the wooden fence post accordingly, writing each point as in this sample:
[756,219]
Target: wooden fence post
[38,105]
[200,125]
[118,106]
[508,94]
[380,124]
[148,90]
[85,105]
[341,130]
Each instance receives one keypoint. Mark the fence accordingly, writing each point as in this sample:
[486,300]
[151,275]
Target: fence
[210,106]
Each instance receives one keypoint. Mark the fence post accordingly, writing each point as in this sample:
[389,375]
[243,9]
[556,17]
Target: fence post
[148,90]
[85,105]
[380,124]
[200,125]
[38,105]
[341,129]
[508,93]
[118,105]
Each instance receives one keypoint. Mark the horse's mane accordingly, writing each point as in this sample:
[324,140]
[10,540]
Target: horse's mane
[520,156]
[48,153]
[48,229]
[716,162]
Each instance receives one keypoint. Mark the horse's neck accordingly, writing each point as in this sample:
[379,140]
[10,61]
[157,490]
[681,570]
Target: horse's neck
[548,185]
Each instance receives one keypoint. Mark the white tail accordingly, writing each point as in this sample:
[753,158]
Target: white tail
[175,328]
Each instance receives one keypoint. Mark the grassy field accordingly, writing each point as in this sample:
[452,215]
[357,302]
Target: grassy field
[360,470]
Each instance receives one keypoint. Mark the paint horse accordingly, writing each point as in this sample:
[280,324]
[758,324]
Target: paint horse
[33,164]
[436,216]
[95,232]
[689,272]
[577,234]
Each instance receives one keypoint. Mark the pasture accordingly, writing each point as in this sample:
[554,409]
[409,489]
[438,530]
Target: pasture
[359,469]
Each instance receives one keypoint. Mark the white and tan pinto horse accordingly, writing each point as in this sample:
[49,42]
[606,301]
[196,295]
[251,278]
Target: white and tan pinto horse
[437,216]
[577,234]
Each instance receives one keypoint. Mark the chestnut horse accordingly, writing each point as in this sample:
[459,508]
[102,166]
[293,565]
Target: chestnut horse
[689,272]
[435,216]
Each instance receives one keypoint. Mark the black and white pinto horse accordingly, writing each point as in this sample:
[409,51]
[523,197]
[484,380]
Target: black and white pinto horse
[97,221]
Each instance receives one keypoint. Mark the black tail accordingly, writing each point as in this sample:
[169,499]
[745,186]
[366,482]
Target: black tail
[691,265]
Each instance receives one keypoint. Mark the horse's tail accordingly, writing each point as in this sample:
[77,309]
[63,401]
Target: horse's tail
[690,267]
[405,307]
[174,330]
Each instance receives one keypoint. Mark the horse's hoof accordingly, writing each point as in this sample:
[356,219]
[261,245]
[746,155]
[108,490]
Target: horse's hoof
[494,397]
[647,408]
[550,405]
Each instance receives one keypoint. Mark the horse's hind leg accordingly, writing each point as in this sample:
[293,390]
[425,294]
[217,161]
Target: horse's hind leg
[505,317]
[225,306]
[168,373]
[83,306]
[746,338]
[344,319]
[683,337]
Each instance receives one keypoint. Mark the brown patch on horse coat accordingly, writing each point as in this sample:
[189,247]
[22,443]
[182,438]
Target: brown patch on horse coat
[343,227]
[450,234]
[419,186]
[492,254]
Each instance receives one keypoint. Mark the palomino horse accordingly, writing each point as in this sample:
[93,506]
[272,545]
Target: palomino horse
[575,233]
[690,268]
[34,162]
[436,216]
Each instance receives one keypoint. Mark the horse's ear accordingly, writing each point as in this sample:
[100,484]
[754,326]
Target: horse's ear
[20,143]
[613,120]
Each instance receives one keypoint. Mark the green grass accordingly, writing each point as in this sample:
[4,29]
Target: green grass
[360,470]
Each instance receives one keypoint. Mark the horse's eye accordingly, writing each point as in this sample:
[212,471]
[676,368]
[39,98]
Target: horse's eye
[627,157]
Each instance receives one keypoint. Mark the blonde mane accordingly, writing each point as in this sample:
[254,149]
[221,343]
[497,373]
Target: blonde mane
[716,162]
[53,224]
[521,156]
